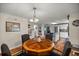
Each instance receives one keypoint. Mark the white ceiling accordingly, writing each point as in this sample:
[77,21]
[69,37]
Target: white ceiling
[46,12]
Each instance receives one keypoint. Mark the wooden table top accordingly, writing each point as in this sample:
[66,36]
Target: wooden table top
[35,46]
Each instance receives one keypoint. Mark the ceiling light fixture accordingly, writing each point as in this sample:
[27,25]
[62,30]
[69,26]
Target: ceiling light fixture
[53,23]
[34,19]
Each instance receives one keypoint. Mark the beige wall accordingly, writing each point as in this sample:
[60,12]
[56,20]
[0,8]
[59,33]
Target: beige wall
[74,31]
[12,39]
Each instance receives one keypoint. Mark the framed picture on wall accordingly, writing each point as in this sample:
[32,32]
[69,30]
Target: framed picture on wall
[76,22]
[12,27]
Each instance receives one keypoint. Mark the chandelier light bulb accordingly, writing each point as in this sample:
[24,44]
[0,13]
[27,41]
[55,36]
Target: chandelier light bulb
[35,20]
[31,20]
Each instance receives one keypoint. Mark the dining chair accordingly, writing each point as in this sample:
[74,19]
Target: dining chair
[24,37]
[48,36]
[5,50]
[67,48]
[66,51]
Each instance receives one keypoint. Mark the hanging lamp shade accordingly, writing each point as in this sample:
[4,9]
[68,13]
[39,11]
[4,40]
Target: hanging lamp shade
[34,19]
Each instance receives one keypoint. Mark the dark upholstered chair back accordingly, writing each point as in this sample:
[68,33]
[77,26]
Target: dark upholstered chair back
[5,50]
[67,48]
[25,37]
[48,36]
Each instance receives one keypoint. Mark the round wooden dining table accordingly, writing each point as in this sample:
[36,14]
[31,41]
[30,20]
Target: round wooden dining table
[42,48]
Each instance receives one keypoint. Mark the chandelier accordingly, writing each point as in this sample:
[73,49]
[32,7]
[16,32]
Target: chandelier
[34,19]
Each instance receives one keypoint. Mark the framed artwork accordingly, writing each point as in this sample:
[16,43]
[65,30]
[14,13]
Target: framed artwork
[12,27]
[76,22]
